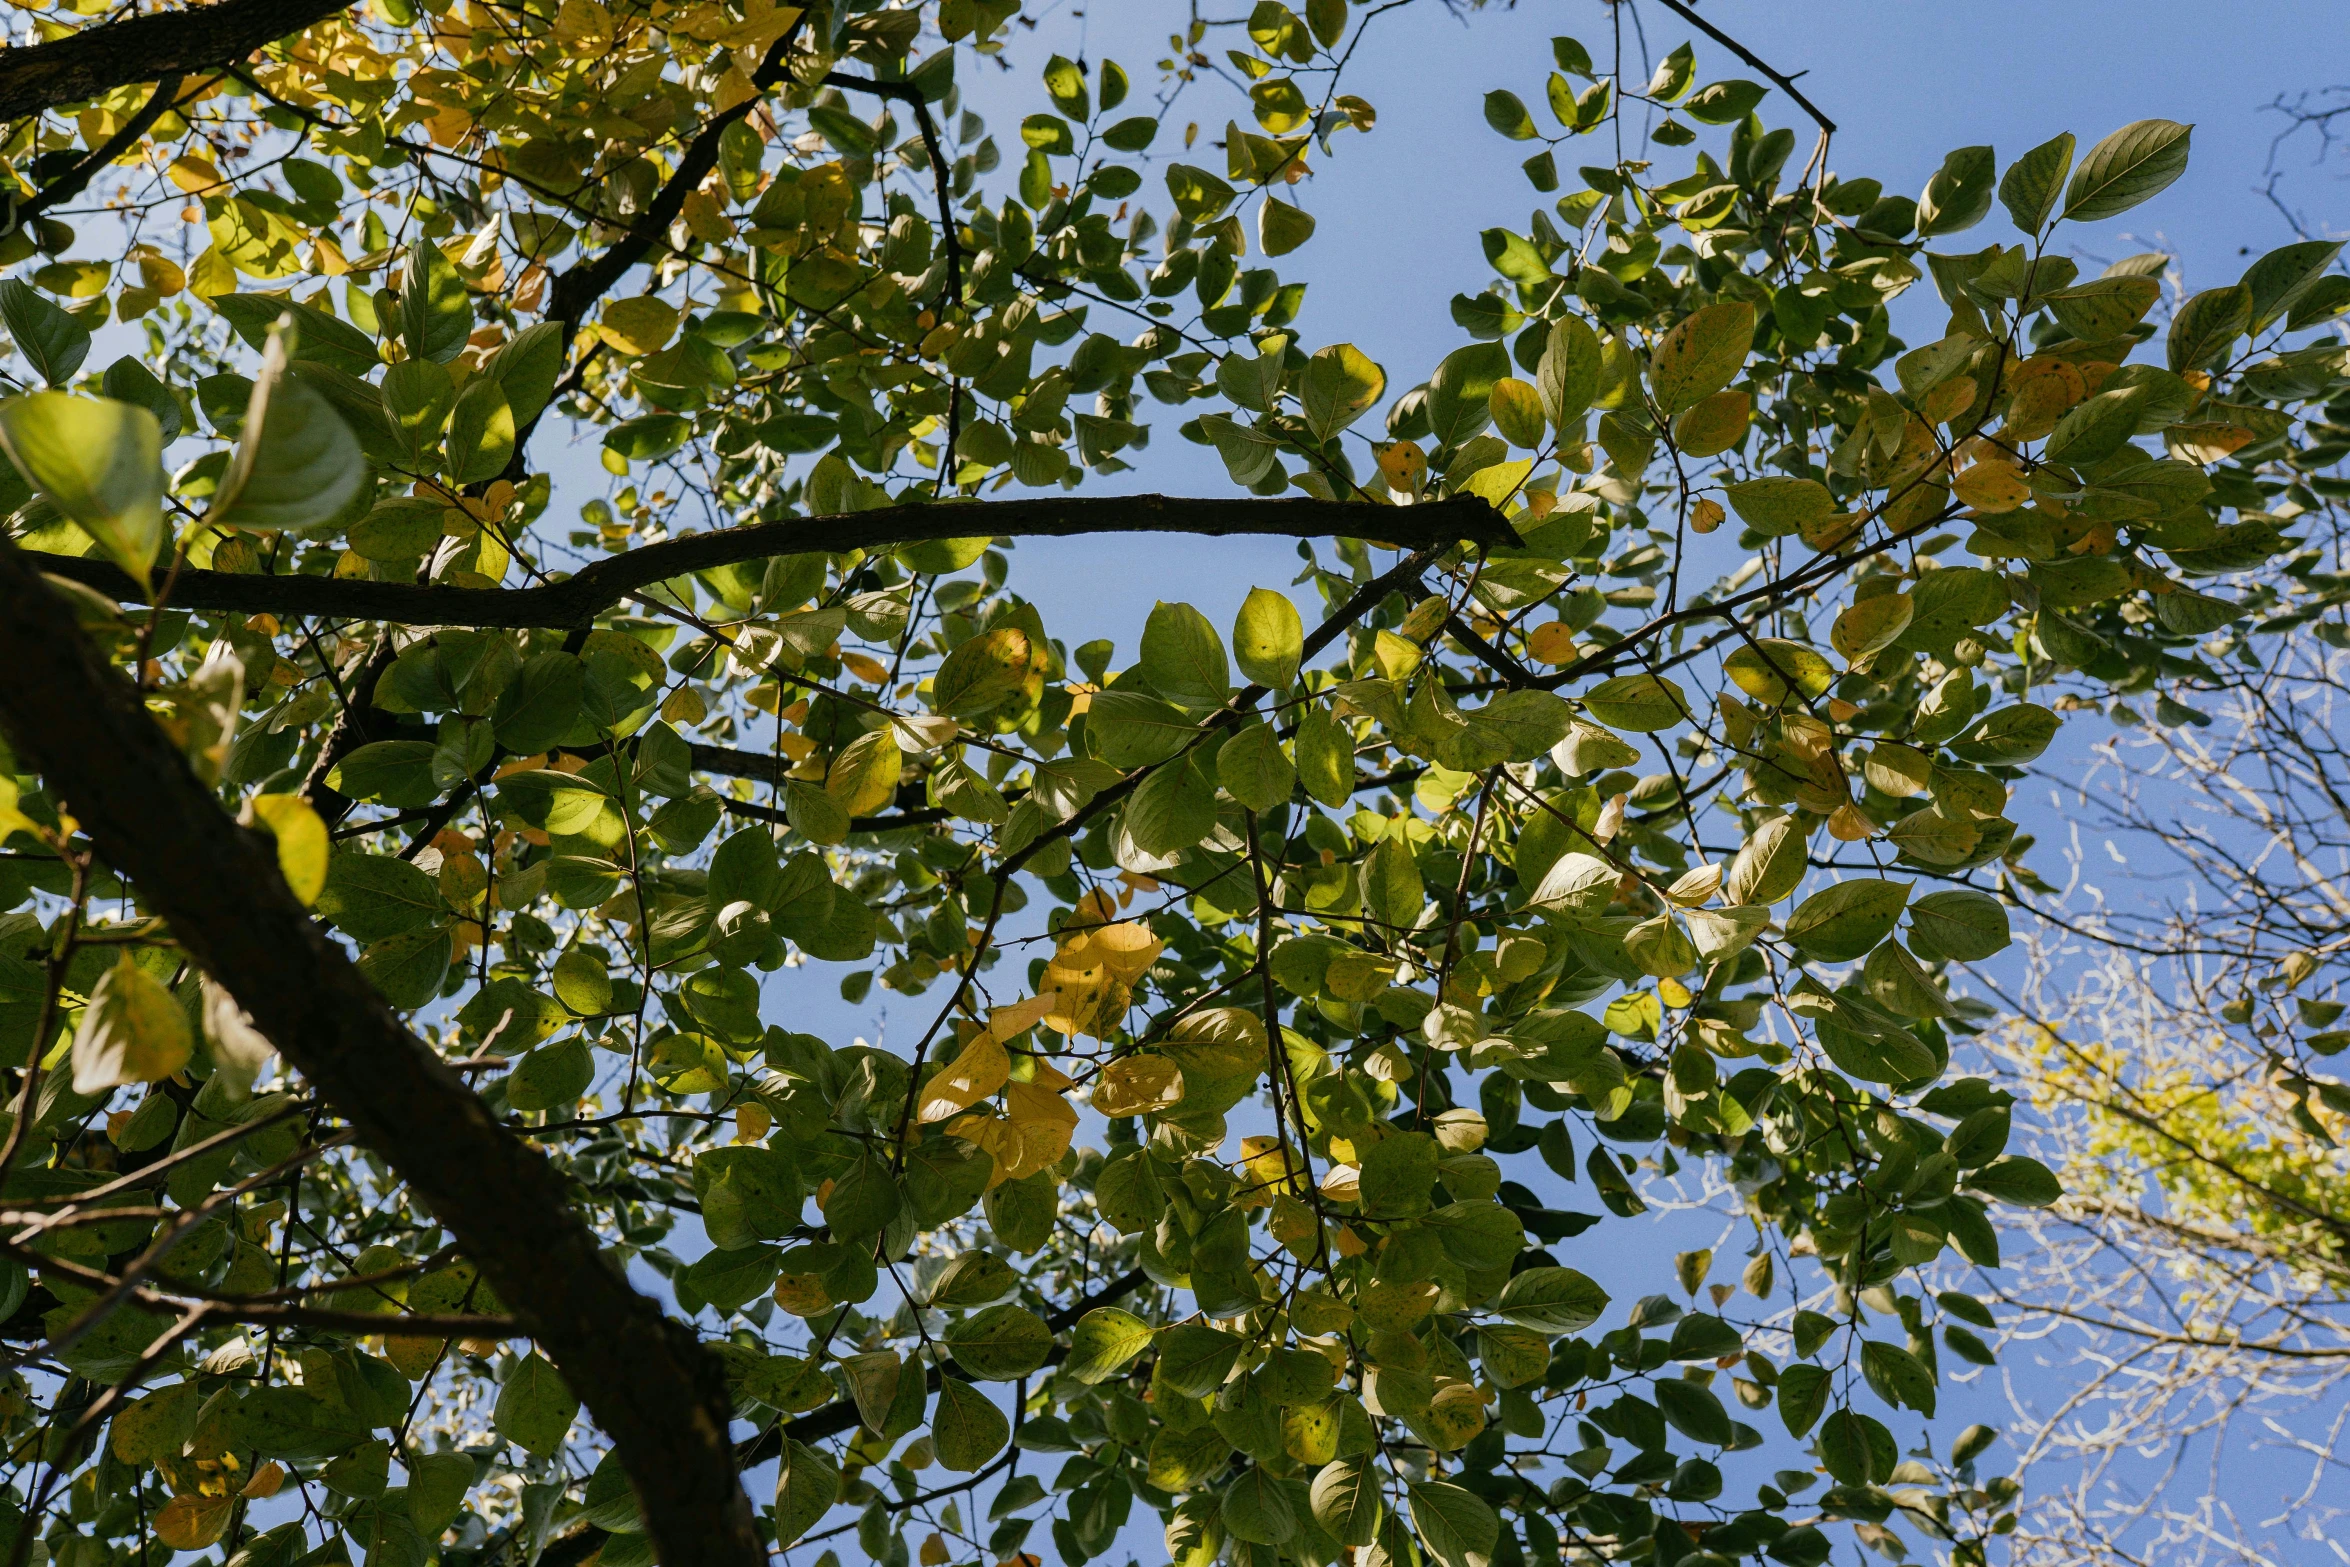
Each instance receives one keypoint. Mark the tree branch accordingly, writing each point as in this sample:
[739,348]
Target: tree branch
[645,1379]
[1785,83]
[147,48]
[950,242]
[76,179]
[575,601]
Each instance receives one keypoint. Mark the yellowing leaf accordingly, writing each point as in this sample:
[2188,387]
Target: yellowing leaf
[864,776]
[1715,425]
[1702,355]
[1992,487]
[642,325]
[132,1031]
[1138,1085]
[192,1522]
[301,841]
[194,175]
[976,1073]
[1871,625]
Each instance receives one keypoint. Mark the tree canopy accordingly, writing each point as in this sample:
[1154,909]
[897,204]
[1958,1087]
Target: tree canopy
[413,1154]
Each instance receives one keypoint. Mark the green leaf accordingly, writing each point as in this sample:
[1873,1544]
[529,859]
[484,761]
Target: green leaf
[1341,384]
[2103,308]
[371,896]
[1803,1394]
[1347,1501]
[2027,1183]
[99,462]
[966,1429]
[51,340]
[1779,506]
[297,464]
[1253,770]
[1848,1448]
[435,316]
[1959,194]
[1457,1526]
[1724,103]
[1283,226]
[1001,1343]
[535,1408]
[1268,638]
[526,368]
[2094,430]
[133,1030]
[2205,329]
[2132,164]
[391,772]
[1569,374]
[1103,1341]
[1551,1300]
[1898,1376]
[481,431]
[1694,1411]
[863,1200]
[1840,923]
[1257,1509]
[2028,190]
[805,1488]
[543,706]
[409,968]
[1130,729]
[2016,733]
[1642,704]
[1183,657]
[1325,757]
[1506,113]
[2282,278]
[1961,925]
[1194,1359]
[1702,355]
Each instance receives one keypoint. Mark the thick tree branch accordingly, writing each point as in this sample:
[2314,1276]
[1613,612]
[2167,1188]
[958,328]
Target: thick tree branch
[146,48]
[645,1380]
[575,601]
[77,179]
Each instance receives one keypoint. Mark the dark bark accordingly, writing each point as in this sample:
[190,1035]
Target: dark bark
[146,48]
[644,1379]
[576,600]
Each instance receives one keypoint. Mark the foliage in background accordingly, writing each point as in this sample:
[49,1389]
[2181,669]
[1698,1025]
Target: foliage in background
[1542,842]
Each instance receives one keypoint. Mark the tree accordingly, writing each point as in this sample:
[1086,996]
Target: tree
[492,832]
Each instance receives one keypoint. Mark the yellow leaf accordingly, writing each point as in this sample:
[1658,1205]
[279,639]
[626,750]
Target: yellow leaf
[1715,425]
[301,841]
[1138,1085]
[194,175]
[1127,948]
[132,1031]
[1270,1170]
[1871,625]
[864,776]
[1008,1023]
[1404,466]
[1992,487]
[190,1523]
[1553,644]
[642,325]
[975,1074]
[1046,1123]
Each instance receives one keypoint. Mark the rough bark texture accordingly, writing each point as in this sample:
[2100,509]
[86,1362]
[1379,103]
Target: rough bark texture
[577,600]
[647,1383]
[146,48]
